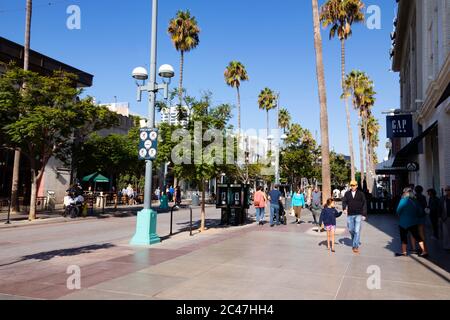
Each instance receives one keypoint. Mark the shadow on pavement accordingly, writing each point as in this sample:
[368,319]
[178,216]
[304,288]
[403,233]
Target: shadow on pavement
[45,256]
[388,224]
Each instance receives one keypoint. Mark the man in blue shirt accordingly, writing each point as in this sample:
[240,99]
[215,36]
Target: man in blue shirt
[274,197]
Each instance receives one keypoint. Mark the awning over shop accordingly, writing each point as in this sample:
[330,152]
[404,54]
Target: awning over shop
[403,156]
[386,168]
[398,164]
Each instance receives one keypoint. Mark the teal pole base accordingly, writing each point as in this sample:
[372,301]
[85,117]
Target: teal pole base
[145,229]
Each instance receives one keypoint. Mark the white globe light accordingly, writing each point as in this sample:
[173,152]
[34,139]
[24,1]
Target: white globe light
[166,71]
[140,73]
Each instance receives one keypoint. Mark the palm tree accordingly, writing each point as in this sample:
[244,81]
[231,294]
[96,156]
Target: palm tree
[361,87]
[26,66]
[284,119]
[184,33]
[341,14]
[325,149]
[267,101]
[373,129]
[234,74]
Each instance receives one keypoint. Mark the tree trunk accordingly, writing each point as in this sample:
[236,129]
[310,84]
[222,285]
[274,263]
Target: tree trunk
[180,88]
[239,109]
[347,112]
[32,213]
[326,177]
[267,119]
[26,63]
[361,152]
[368,166]
[202,222]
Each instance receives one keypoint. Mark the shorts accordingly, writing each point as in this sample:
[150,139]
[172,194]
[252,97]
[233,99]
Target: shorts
[414,231]
[330,227]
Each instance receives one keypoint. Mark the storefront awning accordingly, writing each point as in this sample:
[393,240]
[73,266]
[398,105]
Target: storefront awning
[403,156]
[386,168]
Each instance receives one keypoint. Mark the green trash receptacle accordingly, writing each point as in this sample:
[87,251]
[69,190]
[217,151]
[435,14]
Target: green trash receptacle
[164,202]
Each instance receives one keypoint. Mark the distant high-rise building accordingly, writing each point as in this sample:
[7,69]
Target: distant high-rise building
[170,115]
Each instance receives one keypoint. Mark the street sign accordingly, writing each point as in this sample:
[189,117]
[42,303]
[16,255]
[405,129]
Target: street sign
[399,126]
[148,144]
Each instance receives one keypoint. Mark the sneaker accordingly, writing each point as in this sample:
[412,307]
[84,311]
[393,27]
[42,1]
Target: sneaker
[272,225]
[423,255]
[332,250]
[355,250]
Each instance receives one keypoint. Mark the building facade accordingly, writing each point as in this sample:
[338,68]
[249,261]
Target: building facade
[420,54]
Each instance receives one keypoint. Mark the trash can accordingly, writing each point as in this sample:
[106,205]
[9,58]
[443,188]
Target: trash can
[195,200]
[164,202]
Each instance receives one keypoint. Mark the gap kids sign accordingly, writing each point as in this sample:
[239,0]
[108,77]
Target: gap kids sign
[399,126]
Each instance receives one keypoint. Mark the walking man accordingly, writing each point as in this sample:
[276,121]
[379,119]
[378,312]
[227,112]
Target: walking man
[355,207]
[274,197]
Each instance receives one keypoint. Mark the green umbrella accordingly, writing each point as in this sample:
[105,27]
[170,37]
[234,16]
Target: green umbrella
[95,177]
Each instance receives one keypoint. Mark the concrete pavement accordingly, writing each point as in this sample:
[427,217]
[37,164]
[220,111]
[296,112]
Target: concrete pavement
[246,262]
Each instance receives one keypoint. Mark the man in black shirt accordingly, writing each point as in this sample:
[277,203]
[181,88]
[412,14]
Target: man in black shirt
[355,206]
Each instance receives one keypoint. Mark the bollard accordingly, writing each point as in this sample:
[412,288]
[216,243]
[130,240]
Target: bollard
[171,219]
[9,212]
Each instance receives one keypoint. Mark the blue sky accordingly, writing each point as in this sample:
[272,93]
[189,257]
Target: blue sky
[273,39]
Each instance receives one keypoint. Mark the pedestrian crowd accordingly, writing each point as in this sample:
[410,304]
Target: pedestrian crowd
[414,210]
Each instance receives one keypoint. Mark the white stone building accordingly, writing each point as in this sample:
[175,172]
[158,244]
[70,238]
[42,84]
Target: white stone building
[420,53]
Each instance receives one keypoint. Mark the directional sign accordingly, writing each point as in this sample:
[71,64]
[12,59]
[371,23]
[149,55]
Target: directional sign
[148,144]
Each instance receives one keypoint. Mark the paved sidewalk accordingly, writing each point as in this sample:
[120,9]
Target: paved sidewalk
[246,262]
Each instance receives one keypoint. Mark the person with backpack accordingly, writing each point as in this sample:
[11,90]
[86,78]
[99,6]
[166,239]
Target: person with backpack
[260,201]
[409,212]
[316,204]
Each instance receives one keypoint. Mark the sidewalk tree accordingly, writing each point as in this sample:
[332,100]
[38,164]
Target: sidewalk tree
[340,169]
[325,147]
[234,74]
[300,155]
[42,118]
[202,166]
[341,14]
[26,65]
[184,33]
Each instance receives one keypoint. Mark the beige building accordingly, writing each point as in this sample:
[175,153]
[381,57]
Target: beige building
[420,53]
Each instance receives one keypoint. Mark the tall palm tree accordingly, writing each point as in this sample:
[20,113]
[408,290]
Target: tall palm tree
[373,129]
[284,119]
[358,84]
[341,14]
[184,33]
[26,66]
[325,146]
[234,74]
[267,101]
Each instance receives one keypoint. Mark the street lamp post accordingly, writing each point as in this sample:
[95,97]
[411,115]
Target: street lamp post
[146,219]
